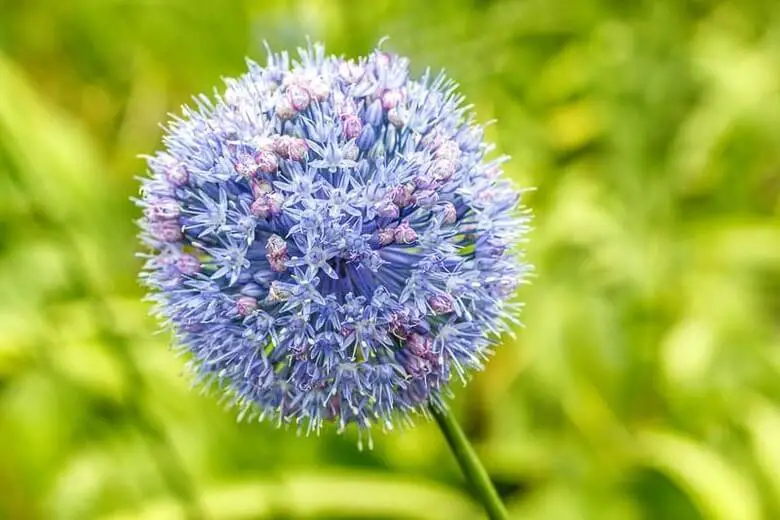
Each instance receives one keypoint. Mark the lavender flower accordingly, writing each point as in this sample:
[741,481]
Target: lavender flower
[328,240]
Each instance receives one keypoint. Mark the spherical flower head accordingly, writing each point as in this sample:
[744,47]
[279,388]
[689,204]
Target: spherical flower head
[329,242]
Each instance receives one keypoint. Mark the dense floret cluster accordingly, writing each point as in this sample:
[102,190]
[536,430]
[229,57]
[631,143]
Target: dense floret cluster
[328,241]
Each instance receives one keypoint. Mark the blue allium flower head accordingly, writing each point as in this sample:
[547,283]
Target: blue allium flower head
[328,240]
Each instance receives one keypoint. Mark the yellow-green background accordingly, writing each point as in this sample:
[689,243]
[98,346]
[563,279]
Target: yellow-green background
[645,384]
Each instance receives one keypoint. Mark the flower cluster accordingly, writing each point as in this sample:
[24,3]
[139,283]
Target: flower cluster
[328,241]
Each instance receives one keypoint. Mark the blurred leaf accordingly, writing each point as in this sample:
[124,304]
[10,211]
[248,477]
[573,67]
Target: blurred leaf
[315,495]
[718,489]
[763,423]
[52,151]
[686,354]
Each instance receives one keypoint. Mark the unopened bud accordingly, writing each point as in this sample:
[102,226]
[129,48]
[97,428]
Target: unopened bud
[284,108]
[448,150]
[351,126]
[449,214]
[164,208]
[266,161]
[246,305]
[391,98]
[405,234]
[267,205]
[385,236]
[418,344]
[386,208]
[442,169]
[394,117]
[246,166]
[188,264]
[166,230]
[298,97]
[276,246]
[402,195]
[426,198]
[441,303]
[177,174]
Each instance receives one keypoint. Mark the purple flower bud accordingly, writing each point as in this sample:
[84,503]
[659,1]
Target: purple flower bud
[267,205]
[298,97]
[277,293]
[442,169]
[426,198]
[417,367]
[425,181]
[246,166]
[386,208]
[293,148]
[260,187]
[318,89]
[448,150]
[405,234]
[449,214]
[385,236]
[373,114]
[402,195]
[284,108]
[166,230]
[351,125]
[276,253]
[346,329]
[278,263]
[276,246]
[177,174]
[432,139]
[418,344]
[245,305]
[298,149]
[398,326]
[188,264]
[266,161]
[391,98]
[367,138]
[164,208]
[350,71]
[281,145]
[394,118]
[441,303]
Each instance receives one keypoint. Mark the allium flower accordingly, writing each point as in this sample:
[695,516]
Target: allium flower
[328,241]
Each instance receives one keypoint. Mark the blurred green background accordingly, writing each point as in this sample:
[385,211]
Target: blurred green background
[645,383]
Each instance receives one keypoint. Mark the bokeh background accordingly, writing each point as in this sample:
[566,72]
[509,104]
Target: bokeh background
[646,382]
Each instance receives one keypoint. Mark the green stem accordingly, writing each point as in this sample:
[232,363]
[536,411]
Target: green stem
[472,468]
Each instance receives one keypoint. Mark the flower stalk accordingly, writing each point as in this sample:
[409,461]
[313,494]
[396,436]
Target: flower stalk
[475,473]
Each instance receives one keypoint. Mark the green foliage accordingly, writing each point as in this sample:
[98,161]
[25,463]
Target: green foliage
[645,382]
